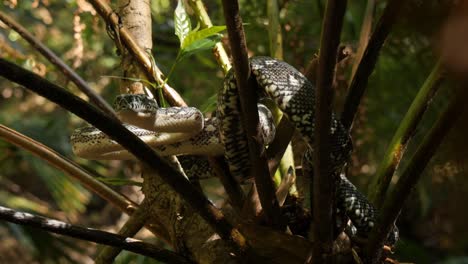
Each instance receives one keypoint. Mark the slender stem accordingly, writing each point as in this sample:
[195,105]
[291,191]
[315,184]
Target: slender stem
[92,235]
[323,183]
[232,187]
[64,68]
[378,187]
[274,30]
[412,173]
[366,30]
[248,101]
[130,142]
[368,61]
[277,148]
[129,229]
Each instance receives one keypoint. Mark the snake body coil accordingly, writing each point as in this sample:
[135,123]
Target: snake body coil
[176,131]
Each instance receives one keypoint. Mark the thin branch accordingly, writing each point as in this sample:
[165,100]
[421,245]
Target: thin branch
[366,30]
[276,149]
[92,235]
[138,219]
[232,187]
[368,61]
[153,73]
[130,142]
[410,176]
[323,184]
[248,101]
[378,187]
[64,68]
[62,163]
[275,36]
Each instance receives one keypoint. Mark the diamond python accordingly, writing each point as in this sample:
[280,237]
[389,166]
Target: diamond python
[184,131]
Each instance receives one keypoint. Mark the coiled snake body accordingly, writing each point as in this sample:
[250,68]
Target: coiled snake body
[177,131]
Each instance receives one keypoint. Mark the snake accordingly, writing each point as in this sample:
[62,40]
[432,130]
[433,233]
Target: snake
[185,131]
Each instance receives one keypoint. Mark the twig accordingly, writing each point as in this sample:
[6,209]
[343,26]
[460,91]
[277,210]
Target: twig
[232,187]
[89,234]
[410,176]
[64,68]
[378,187]
[323,184]
[284,133]
[129,229]
[69,167]
[366,30]
[152,71]
[274,29]
[367,63]
[130,142]
[248,101]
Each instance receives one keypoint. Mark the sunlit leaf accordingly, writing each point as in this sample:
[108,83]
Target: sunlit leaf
[181,22]
[196,35]
[199,45]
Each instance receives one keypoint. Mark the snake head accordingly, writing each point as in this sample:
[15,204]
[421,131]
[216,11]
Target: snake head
[136,103]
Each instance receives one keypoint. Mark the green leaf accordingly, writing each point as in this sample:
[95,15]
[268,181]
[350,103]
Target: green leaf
[199,45]
[181,22]
[196,35]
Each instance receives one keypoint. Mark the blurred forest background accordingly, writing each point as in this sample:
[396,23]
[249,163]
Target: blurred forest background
[433,223]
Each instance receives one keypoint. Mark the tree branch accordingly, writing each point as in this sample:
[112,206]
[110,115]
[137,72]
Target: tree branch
[276,149]
[248,100]
[89,234]
[378,187]
[323,185]
[368,61]
[366,30]
[138,219]
[233,189]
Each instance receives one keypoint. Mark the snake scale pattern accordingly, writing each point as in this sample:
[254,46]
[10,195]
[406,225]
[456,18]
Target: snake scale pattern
[178,131]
